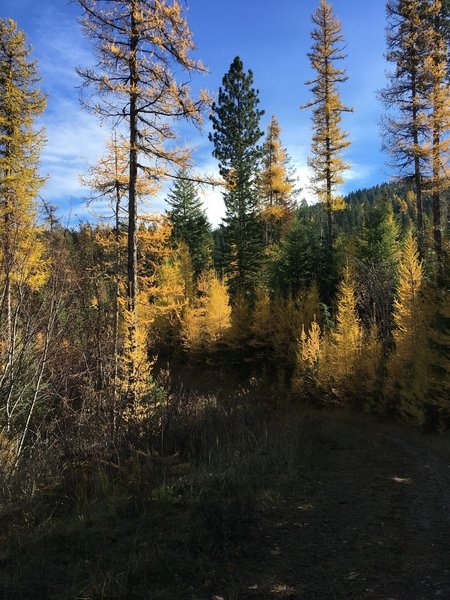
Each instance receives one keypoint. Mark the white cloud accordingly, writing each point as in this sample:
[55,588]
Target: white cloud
[213,202]
[75,141]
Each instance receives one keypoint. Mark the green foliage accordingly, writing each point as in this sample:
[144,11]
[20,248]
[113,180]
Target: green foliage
[235,119]
[377,261]
[295,261]
[189,222]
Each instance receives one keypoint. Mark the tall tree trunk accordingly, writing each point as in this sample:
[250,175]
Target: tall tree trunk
[417,172]
[116,310]
[132,213]
[437,225]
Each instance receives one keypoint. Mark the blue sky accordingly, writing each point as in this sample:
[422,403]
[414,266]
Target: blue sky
[272,38]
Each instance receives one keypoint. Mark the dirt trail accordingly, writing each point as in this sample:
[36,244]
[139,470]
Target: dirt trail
[368,519]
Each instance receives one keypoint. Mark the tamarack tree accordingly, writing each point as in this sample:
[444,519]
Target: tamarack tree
[409,41]
[275,184]
[24,336]
[140,46]
[329,140]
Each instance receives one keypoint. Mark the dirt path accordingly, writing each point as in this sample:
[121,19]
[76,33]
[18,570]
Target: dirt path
[368,518]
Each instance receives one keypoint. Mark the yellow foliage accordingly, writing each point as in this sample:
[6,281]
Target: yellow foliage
[273,213]
[406,384]
[343,346]
[408,305]
[208,319]
[310,346]
[261,331]
[28,264]
[329,140]
[217,307]
[274,185]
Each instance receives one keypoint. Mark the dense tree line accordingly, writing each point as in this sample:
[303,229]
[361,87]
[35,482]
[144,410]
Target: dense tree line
[344,301]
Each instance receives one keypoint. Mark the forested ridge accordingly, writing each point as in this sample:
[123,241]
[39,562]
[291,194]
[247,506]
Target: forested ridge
[162,379]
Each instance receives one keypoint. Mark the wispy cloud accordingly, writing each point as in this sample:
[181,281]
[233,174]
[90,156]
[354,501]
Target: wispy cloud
[75,139]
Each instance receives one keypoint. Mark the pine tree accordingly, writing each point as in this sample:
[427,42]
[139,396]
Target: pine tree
[139,44]
[437,401]
[23,265]
[329,140]
[295,262]
[409,41]
[235,121]
[275,185]
[189,222]
[377,258]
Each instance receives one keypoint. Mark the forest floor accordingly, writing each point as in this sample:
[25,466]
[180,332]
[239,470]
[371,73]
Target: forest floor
[351,509]
[367,518]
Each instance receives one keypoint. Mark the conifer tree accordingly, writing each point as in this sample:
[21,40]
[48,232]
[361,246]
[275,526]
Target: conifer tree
[235,119]
[377,258]
[206,321]
[347,335]
[23,266]
[189,222]
[437,402]
[436,65]
[109,180]
[295,261]
[139,45]
[329,140]
[408,313]
[409,42]
[275,184]
[406,383]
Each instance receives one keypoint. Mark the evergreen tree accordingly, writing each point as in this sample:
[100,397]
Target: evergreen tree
[377,257]
[329,140]
[235,121]
[295,261]
[189,222]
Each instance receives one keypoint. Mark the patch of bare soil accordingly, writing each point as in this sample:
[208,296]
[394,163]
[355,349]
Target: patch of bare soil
[367,518]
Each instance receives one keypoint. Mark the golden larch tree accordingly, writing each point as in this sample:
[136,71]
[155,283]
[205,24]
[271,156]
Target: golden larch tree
[409,41]
[275,185]
[23,266]
[329,140]
[436,65]
[140,44]
[407,370]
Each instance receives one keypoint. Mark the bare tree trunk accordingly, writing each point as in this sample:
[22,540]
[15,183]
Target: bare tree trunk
[417,172]
[437,223]
[116,301]
[132,214]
